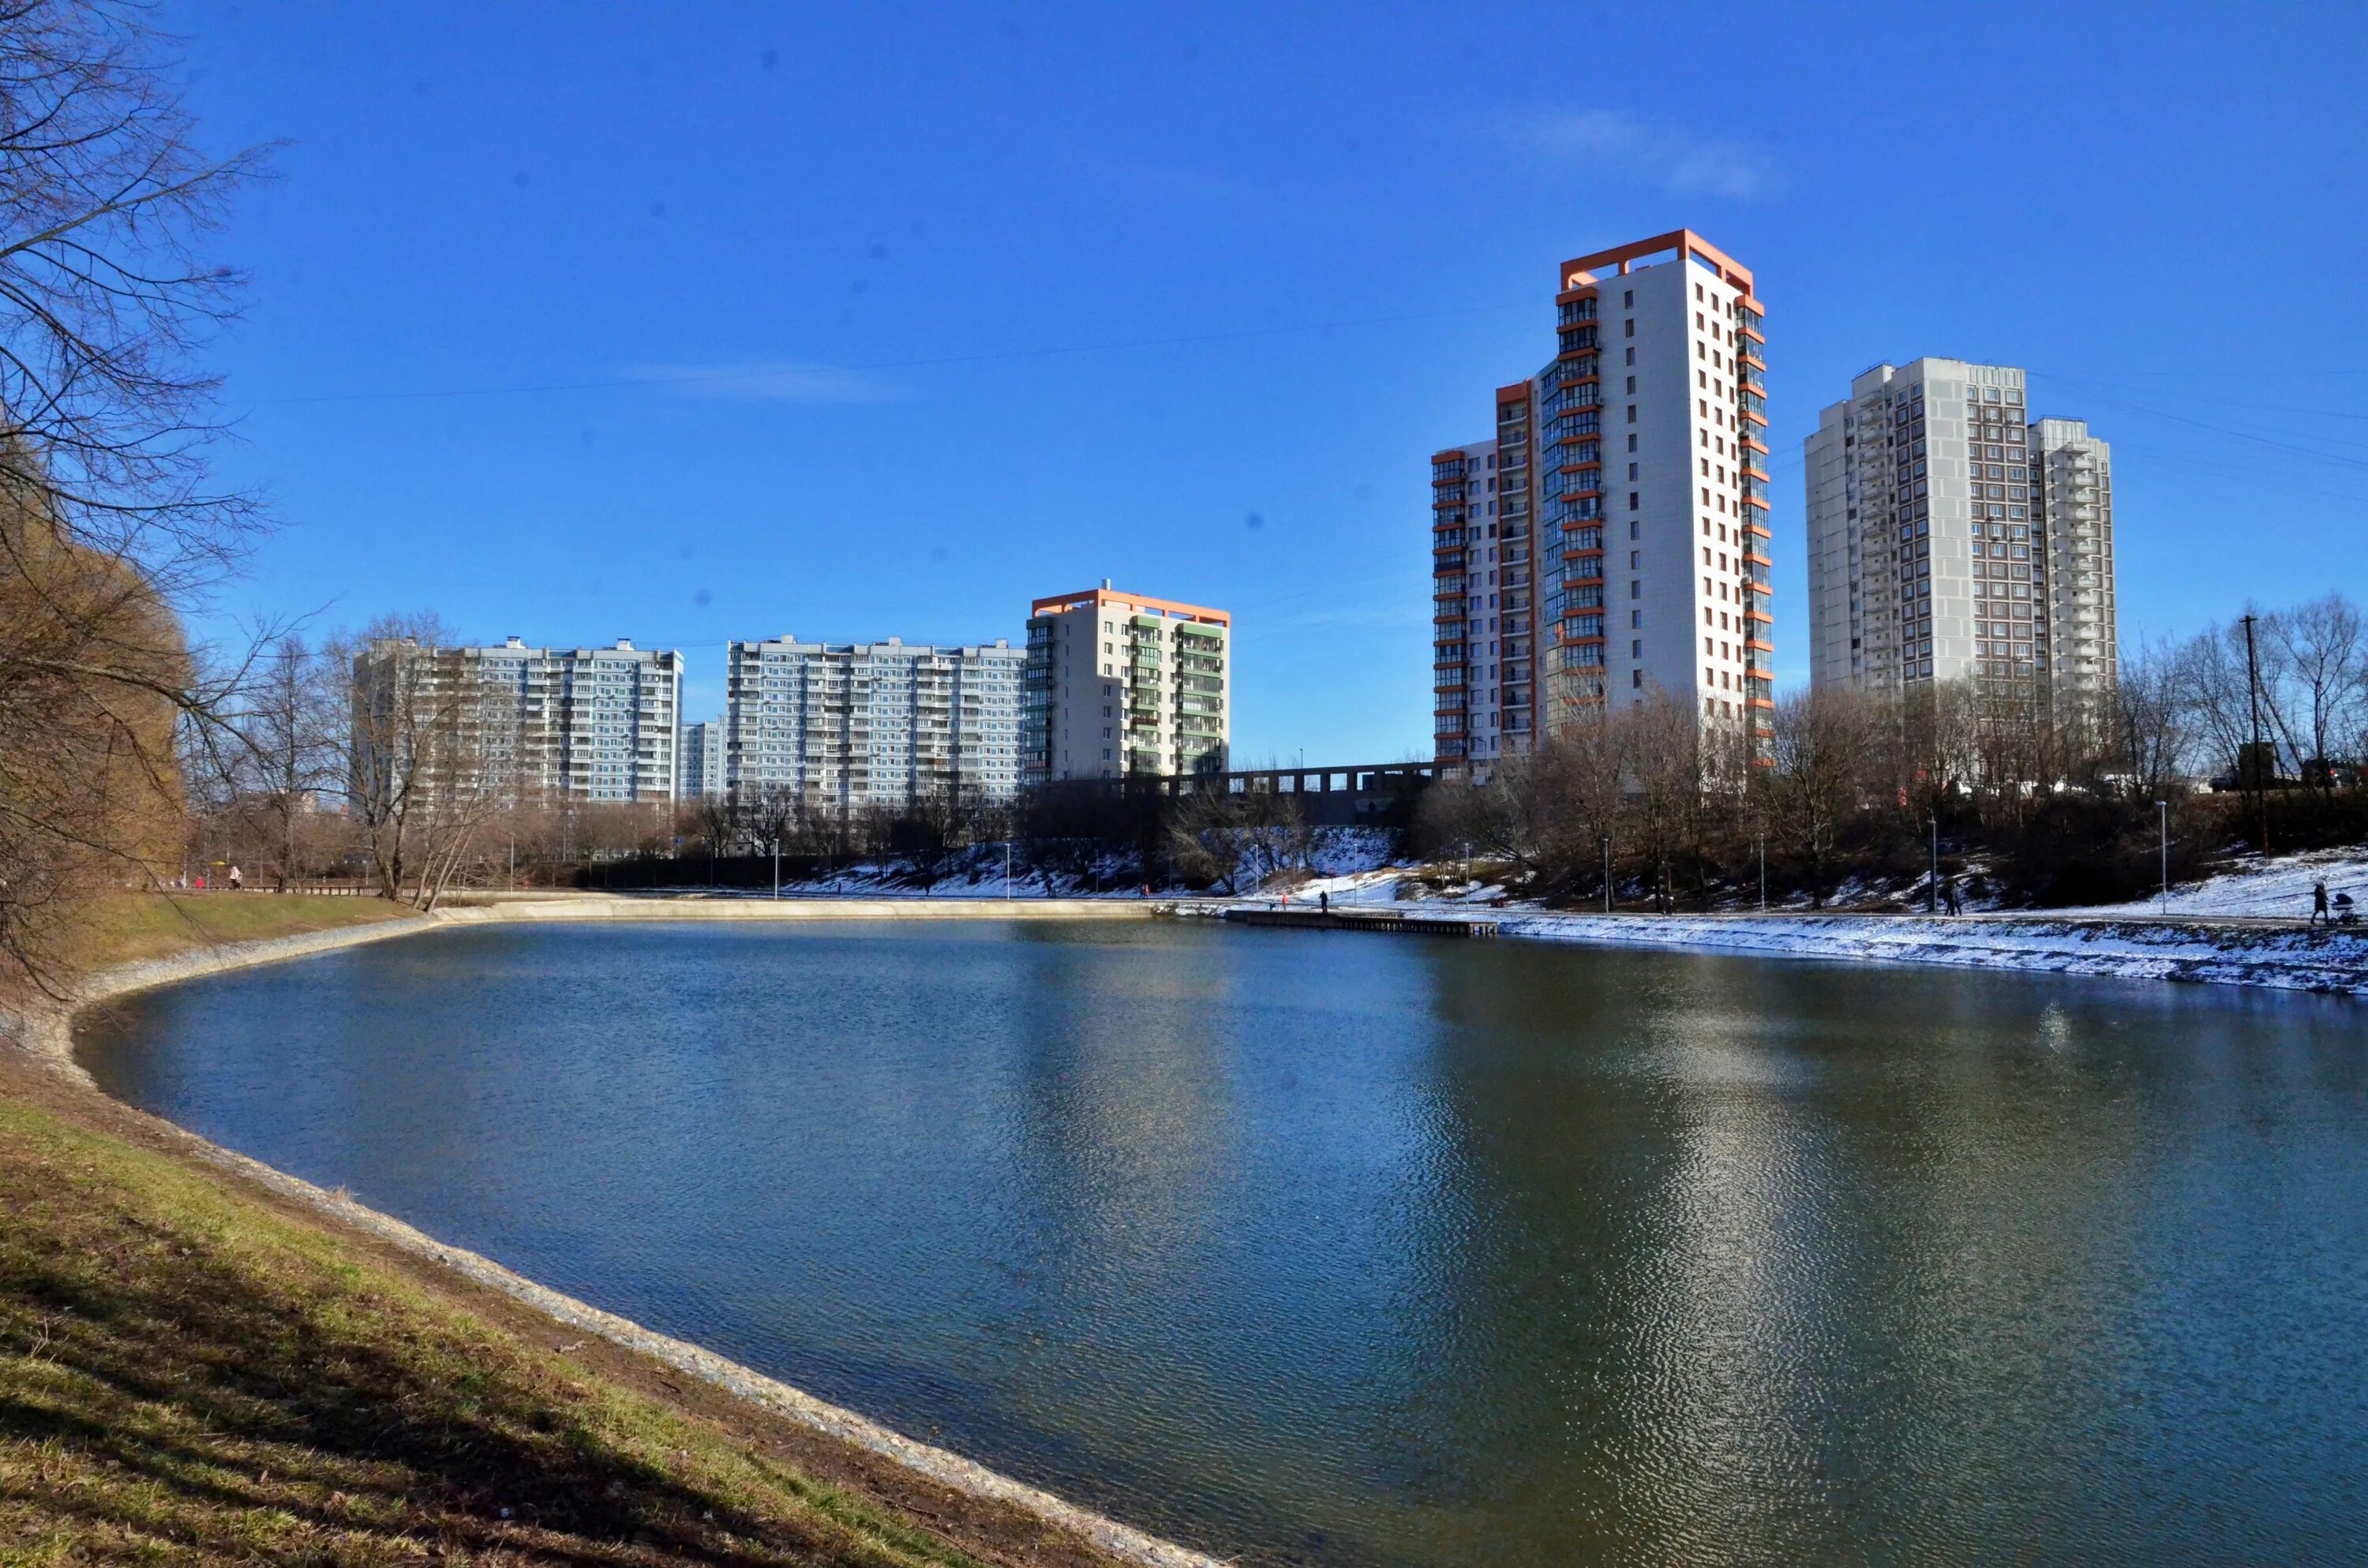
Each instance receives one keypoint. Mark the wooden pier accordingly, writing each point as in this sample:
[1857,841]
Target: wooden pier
[1389,920]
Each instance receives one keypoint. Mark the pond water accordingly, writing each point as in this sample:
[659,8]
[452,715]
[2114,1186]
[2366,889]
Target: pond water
[1345,1249]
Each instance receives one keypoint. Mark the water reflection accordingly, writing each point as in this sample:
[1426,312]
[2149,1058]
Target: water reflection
[1346,1249]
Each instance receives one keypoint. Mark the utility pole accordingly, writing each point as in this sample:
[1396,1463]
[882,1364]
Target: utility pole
[777,865]
[1607,873]
[2253,696]
[2163,809]
[1006,869]
[1763,873]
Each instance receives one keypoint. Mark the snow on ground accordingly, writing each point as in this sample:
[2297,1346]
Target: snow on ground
[2138,951]
[1352,863]
[2279,886]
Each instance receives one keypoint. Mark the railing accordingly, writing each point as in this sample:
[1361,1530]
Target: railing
[1577,311]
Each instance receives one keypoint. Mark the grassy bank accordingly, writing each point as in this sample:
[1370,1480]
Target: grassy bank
[193,1370]
[131,928]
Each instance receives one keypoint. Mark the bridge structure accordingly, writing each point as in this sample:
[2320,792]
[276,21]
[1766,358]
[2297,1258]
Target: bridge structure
[1377,794]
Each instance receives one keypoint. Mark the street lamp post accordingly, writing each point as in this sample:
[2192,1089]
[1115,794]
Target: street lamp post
[1607,873]
[777,865]
[1006,869]
[2162,810]
[1932,883]
[1763,873]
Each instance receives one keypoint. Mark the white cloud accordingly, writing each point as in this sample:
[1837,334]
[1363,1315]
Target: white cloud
[768,383]
[1671,157]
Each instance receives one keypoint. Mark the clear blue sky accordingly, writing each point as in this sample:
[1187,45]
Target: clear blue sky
[692,322]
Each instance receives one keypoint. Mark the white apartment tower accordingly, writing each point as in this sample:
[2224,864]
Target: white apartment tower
[847,726]
[1951,536]
[1640,455]
[1121,684]
[540,724]
[701,759]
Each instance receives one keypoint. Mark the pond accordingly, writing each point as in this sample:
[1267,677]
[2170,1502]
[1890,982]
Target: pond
[1351,1249]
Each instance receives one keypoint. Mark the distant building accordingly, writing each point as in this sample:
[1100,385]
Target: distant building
[527,724]
[1121,684]
[702,765]
[1952,535]
[1611,538]
[851,725]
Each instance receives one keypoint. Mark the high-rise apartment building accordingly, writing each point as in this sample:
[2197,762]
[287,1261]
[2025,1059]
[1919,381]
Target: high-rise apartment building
[1121,684]
[530,724]
[846,726]
[1628,551]
[702,759]
[1950,535]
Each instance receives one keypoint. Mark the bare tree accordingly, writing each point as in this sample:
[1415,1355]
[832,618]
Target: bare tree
[421,780]
[292,728]
[1820,738]
[2314,659]
[107,511]
[1241,838]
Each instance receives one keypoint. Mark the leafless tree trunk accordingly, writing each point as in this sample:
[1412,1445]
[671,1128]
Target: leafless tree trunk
[1820,738]
[107,512]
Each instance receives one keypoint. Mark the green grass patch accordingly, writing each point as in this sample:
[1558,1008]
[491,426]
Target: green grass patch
[187,1376]
[129,927]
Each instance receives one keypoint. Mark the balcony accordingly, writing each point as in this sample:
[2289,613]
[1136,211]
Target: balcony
[1576,311]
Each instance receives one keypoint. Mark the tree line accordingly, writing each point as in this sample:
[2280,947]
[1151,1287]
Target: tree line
[2030,794]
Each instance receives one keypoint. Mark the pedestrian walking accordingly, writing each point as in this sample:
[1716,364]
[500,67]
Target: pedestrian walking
[1949,893]
[1323,903]
[237,879]
[2318,904]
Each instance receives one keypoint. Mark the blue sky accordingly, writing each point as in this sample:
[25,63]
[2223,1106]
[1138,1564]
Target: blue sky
[687,322]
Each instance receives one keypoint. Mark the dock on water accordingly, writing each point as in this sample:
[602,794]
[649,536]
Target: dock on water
[1390,920]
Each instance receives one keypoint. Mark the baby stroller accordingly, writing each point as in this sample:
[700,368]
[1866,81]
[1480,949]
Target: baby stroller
[2345,910]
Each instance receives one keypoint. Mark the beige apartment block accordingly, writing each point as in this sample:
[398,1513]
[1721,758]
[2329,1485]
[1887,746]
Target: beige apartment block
[1121,684]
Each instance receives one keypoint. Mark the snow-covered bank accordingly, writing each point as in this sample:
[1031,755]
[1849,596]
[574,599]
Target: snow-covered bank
[2293,961]
[2278,887]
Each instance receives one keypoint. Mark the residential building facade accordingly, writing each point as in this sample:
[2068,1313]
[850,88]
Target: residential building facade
[526,724]
[851,725]
[1952,535]
[1483,637]
[1121,684]
[701,764]
[1628,551]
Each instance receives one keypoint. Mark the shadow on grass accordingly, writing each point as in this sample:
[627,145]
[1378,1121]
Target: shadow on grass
[178,1371]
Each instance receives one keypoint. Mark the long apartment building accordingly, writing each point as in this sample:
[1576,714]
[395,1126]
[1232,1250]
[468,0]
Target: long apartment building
[530,724]
[1121,684]
[851,725]
[1952,535]
[1612,539]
